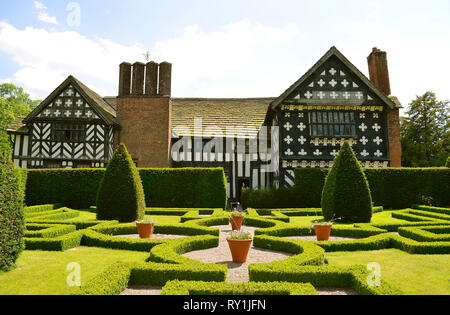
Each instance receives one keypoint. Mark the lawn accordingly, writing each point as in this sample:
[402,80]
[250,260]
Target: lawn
[413,274]
[44,273]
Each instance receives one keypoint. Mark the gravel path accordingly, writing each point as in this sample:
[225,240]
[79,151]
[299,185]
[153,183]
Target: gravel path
[335,291]
[313,238]
[142,290]
[222,255]
[236,272]
[154,236]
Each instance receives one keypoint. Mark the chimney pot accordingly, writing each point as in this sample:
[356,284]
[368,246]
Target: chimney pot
[124,79]
[151,79]
[138,78]
[165,78]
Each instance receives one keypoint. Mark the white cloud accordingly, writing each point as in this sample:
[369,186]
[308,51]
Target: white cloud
[205,64]
[43,15]
[39,6]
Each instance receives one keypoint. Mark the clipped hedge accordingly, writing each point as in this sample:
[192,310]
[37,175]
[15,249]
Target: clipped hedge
[346,195]
[179,188]
[11,213]
[394,188]
[120,194]
[338,277]
[246,288]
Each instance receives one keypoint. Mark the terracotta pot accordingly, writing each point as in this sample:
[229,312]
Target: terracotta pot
[236,222]
[145,229]
[239,249]
[323,232]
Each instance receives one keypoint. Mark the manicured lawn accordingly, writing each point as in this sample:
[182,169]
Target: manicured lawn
[40,272]
[413,274]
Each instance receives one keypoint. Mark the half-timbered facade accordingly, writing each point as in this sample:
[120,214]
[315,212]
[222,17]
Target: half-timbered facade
[70,129]
[258,141]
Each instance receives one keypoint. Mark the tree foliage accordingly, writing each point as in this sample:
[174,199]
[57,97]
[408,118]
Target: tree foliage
[346,195]
[121,195]
[425,132]
[14,102]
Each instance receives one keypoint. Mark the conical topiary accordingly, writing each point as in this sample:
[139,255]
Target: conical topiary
[121,195]
[346,194]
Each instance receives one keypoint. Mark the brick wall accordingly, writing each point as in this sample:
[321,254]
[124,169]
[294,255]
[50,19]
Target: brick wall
[379,75]
[395,146]
[146,128]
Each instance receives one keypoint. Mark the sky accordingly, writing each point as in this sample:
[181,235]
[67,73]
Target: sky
[221,48]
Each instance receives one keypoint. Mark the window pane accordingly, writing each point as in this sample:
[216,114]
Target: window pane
[342,131]
[336,130]
[347,117]
[330,117]
[354,131]
[352,117]
[319,117]
[319,130]
[331,130]
[341,117]
[325,117]
[336,118]
[325,130]
[347,130]
[314,130]
[313,117]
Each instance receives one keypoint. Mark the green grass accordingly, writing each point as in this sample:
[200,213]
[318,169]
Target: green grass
[413,274]
[44,273]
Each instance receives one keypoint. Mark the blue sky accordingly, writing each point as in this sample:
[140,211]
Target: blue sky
[222,48]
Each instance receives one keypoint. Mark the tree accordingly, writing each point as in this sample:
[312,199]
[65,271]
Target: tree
[14,102]
[121,195]
[425,132]
[346,195]
[11,217]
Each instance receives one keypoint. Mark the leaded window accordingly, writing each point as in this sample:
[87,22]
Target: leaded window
[68,132]
[332,124]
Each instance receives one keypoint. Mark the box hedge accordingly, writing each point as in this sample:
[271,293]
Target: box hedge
[179,188]
[11,213]
[346,195]
[120,194]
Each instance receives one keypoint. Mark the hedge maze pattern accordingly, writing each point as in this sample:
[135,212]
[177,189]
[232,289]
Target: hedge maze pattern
[426,230]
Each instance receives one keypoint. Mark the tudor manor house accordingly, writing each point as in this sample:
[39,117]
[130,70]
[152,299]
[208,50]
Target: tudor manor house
[333,102]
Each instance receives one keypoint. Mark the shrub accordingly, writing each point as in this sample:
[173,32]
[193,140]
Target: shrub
[11,217]
[121,195]
[447,164]
[346,194]
[185,188]
[283,197]
[180,188]
[393,188]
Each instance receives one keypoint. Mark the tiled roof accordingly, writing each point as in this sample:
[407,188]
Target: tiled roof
[17,126]
[220,112]
[105,111]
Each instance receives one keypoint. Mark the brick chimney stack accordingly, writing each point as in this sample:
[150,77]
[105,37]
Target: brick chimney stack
[378,70]
[379,75]
[144,110]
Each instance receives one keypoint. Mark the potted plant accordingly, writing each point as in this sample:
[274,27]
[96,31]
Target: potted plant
[145,228]
[322,229]
[236,219]
[239,243]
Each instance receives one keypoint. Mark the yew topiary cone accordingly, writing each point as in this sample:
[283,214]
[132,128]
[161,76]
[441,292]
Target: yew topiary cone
[121,195]
[346,195]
